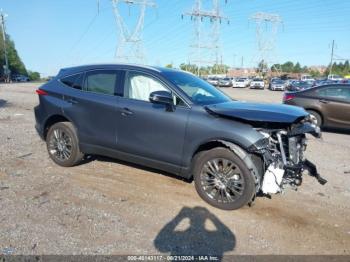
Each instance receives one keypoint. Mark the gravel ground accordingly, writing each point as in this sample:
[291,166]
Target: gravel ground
[110,207]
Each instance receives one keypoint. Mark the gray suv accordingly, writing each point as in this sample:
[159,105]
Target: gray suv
[173,121]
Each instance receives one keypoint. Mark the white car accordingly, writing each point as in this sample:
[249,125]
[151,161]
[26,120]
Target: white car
[240,82]
[334,78]
[307,78]
[257,83]
[213,80]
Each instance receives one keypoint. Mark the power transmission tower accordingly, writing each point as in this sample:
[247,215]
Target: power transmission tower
[130,42]
[206,46]
[7,71]
[267,26]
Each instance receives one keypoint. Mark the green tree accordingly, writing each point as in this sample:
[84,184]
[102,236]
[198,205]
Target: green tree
[287,67]
[297,68]
[34,76]
[15,63]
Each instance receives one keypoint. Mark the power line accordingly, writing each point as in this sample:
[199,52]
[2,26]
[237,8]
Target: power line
[266,30]
[206,47]
[130,44]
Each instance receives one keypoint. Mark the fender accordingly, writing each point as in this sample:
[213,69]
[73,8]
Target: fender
[247,159]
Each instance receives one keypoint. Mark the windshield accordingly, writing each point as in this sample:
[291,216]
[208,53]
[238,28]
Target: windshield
[199,91]
[279,82]
[257,80]
[301,83]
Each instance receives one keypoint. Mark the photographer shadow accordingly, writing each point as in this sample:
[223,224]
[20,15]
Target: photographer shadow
[197,238]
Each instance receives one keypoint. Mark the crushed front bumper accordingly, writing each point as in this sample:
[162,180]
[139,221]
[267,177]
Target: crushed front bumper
[310,167]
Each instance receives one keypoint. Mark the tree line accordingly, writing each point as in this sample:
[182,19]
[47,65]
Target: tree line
[339,68]
[16,65]
[216,69]
[288,67]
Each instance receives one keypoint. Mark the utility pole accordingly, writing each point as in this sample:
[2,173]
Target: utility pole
[206,46]
[7,71]
[332,54]
[130,43]
[266,31]
[234,61]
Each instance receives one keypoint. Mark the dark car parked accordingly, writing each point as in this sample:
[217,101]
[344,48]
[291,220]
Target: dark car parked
[173,121]
[298,85]
[328,105]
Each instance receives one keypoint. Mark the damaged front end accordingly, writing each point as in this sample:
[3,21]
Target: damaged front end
[282,145]
[282,151]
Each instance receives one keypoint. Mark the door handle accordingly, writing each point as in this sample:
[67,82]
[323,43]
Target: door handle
[72,101]
[324,101]
[126,112]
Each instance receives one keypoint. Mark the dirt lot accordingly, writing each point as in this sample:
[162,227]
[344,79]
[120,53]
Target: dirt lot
[109,207]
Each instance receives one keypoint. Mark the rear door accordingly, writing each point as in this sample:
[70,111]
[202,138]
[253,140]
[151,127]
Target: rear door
[335,105]
[91,105]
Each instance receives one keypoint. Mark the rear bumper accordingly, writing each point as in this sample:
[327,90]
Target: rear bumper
[39,127]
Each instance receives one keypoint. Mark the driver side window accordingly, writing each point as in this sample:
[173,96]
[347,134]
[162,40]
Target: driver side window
[139,87]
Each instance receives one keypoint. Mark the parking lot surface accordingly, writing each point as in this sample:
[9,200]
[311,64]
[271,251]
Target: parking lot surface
[105,206]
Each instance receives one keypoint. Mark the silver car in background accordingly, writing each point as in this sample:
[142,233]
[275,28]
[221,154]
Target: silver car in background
[225,82]
[278,85]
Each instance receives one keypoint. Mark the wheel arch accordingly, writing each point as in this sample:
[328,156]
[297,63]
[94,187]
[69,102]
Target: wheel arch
[318,112]
[254,163]
[50,121]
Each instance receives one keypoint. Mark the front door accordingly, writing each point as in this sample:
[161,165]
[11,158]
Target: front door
[148,130]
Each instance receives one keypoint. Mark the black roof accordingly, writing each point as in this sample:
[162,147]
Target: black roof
[77,69]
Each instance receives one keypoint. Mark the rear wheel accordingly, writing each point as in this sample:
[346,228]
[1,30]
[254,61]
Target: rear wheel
[63,145]
[315,118]
[222,179]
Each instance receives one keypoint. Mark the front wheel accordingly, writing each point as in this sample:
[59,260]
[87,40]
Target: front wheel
[222,179]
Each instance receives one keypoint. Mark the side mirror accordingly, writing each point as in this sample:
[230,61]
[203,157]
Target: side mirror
[164,98]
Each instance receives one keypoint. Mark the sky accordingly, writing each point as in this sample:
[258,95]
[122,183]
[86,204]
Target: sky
[51,34]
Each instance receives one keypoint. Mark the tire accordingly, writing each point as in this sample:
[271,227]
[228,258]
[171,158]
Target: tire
[215,195]
[316,118]
[63,144]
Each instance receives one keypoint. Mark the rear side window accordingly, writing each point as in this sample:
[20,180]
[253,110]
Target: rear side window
[74,81]
[101,81]
[335,92]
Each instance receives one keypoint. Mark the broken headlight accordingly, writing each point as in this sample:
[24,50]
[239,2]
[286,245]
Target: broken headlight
[259,145]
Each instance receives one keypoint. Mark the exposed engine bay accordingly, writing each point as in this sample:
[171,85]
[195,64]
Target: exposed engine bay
[283,155]
[281,149]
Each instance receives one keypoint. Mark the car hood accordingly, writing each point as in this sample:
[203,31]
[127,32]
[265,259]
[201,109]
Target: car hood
[258,113]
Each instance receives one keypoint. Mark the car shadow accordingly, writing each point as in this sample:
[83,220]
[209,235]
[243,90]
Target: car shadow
[3,103]
[199,238]
[336,130]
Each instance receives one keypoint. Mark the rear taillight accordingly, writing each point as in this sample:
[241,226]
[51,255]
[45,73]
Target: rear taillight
[41,92]
[288,97]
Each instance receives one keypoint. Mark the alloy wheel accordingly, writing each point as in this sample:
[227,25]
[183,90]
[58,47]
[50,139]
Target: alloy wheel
[60,145]
[222,180]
